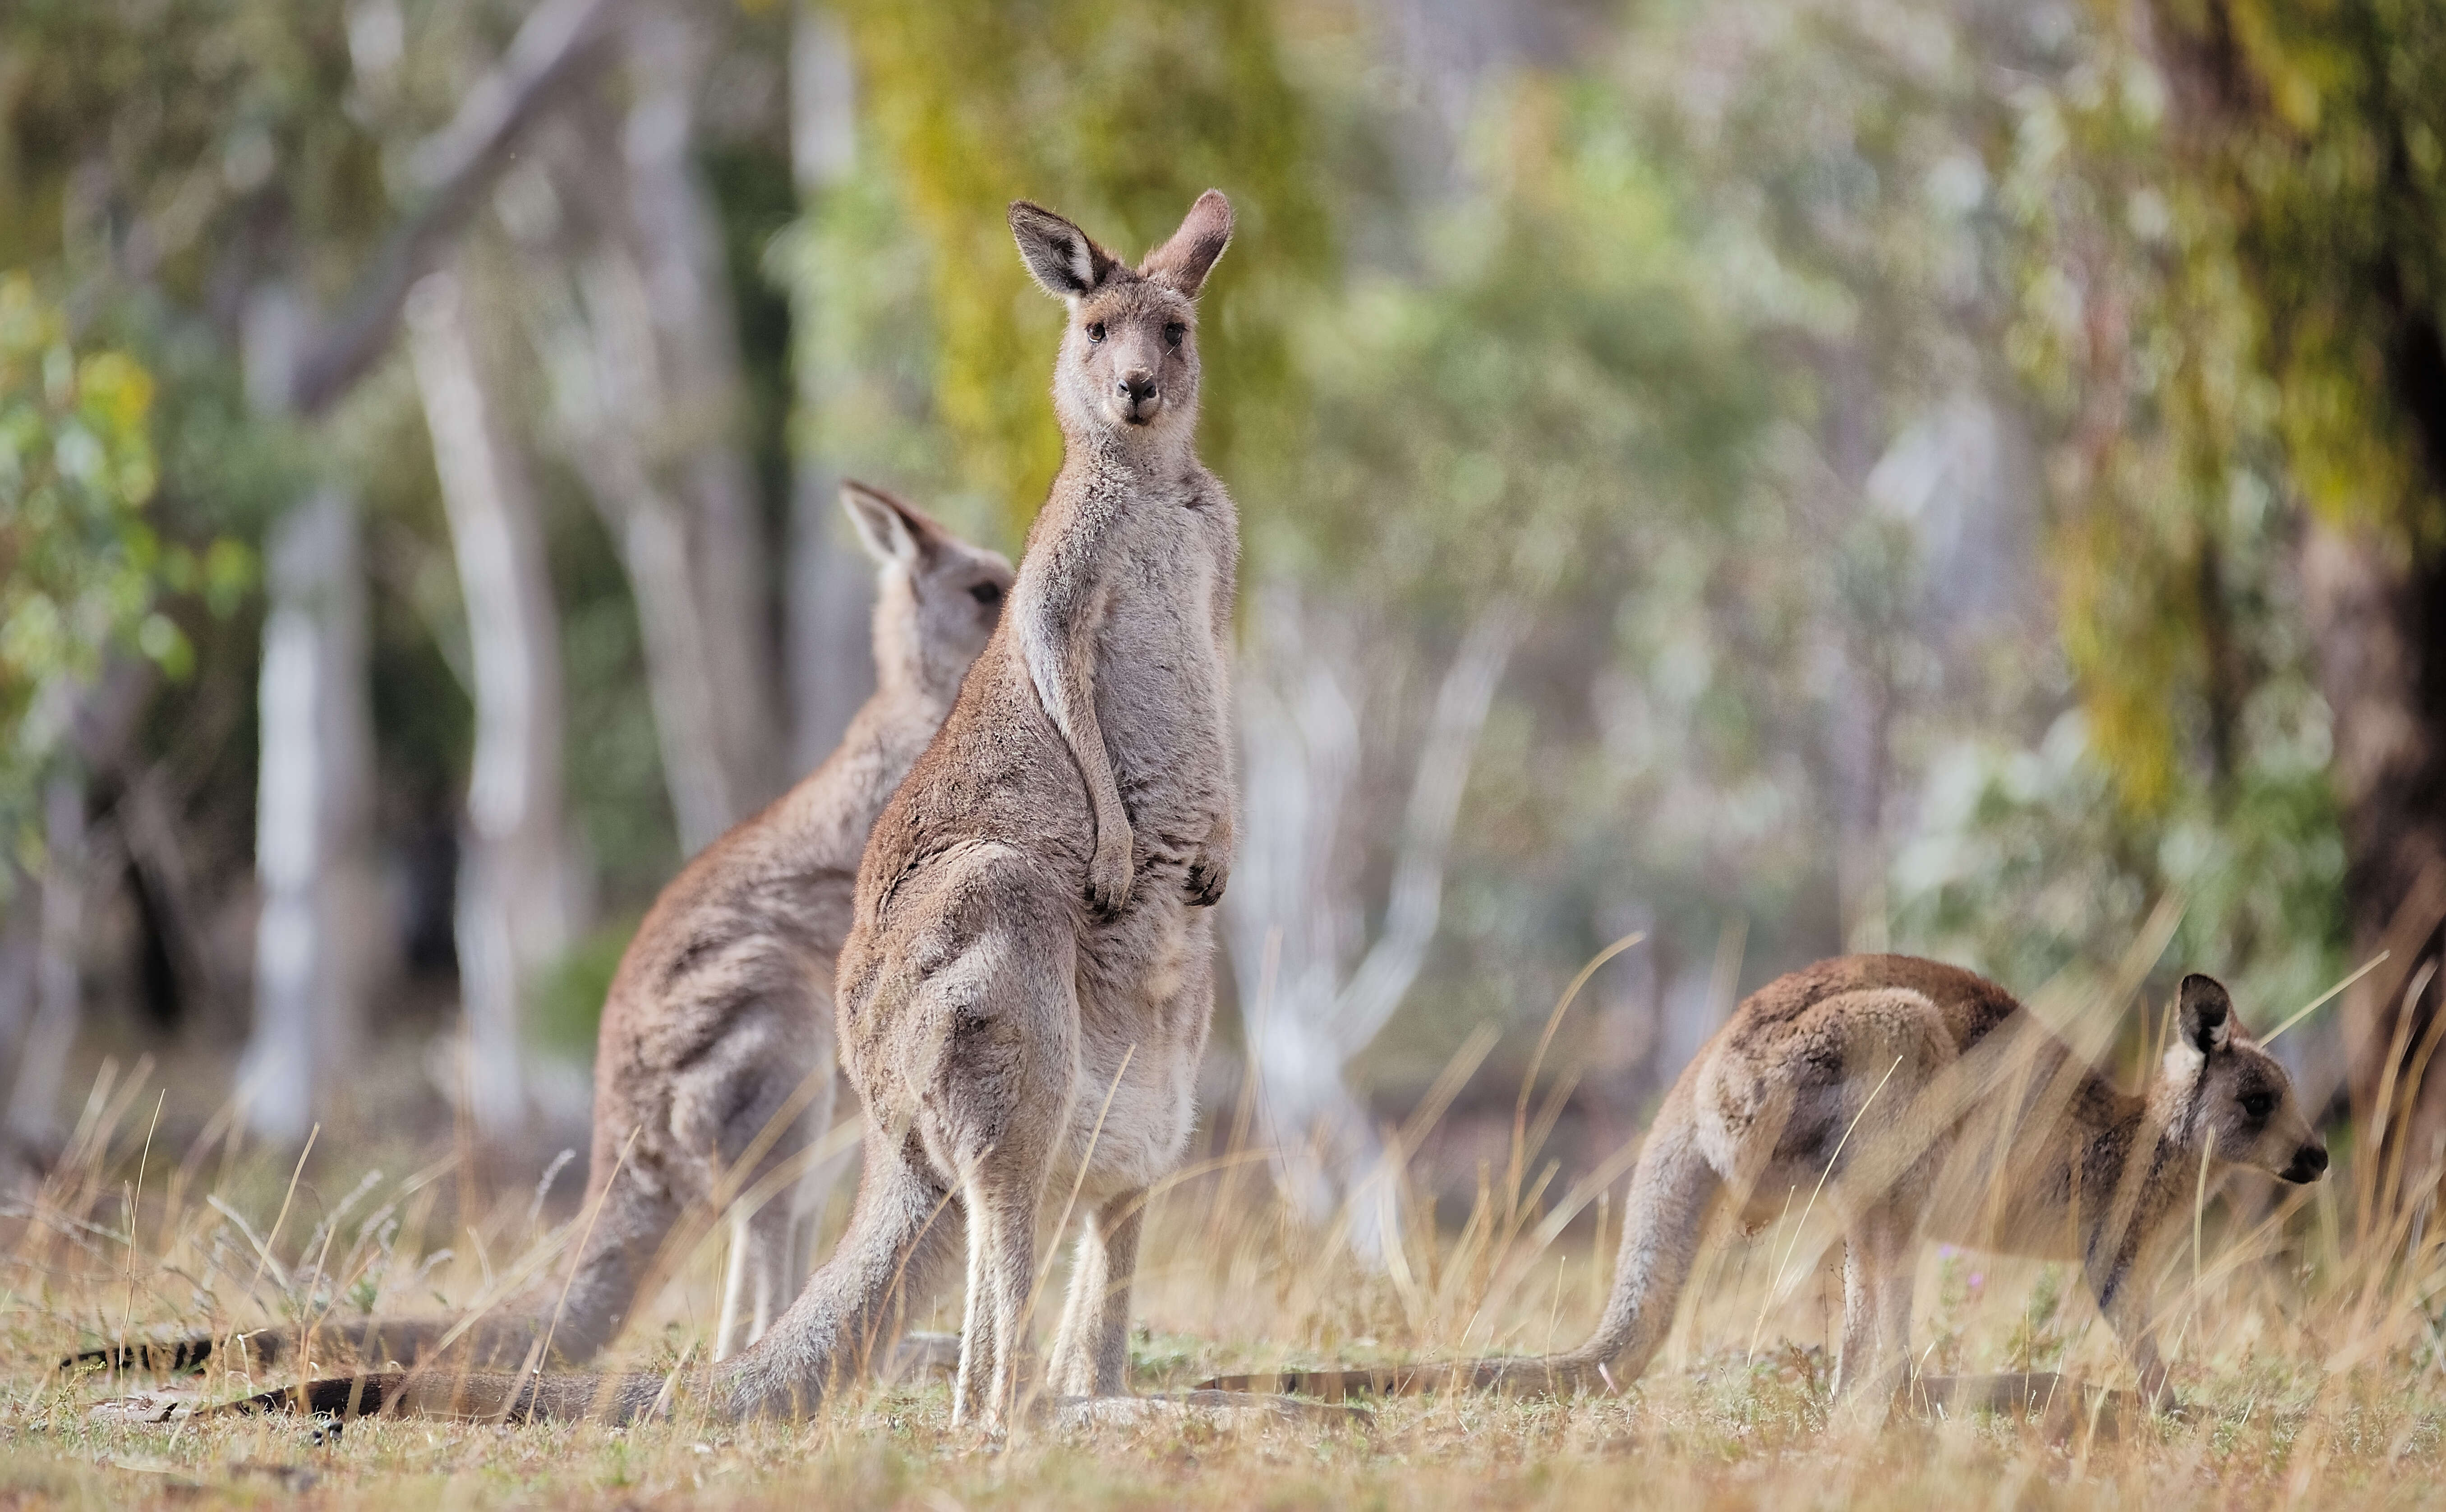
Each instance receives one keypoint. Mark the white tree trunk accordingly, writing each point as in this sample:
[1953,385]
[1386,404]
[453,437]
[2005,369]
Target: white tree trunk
[314,788]
[59,987]
[21,922]
[674,229]
[515,899]
[830,594]
[1292,919]
[598,346]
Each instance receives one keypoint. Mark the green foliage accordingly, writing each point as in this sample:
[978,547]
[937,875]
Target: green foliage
[2228,243]
[863,347]
[1563,376]
[2026,863]
[80,566]
[1118,115]
[2325,151]
[177,137]
[2221,317]
[2131,334]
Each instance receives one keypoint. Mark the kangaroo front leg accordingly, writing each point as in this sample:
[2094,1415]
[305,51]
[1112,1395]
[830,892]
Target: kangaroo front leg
[1093,1355]
[2124,1300]
[1058,641]
[2128,1313]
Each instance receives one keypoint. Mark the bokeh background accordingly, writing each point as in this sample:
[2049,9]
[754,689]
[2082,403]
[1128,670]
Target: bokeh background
[1774,476]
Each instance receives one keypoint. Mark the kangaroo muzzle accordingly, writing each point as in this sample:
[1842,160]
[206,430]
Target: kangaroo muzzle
[1138,397]
[2309,1164]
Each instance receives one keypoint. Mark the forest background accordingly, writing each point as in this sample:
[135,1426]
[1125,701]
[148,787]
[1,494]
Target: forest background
[1774,476]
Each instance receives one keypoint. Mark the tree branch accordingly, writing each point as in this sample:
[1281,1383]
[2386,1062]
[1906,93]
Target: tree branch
[1393,962]
[560,45]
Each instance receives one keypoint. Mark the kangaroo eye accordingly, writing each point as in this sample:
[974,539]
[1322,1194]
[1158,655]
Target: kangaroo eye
[2258,1105]
[1173,332]
[1094,333]
[987,594]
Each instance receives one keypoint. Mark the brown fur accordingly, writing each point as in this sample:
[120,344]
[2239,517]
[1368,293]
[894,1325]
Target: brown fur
[713,1062]
[1942,1110]
[1026,992]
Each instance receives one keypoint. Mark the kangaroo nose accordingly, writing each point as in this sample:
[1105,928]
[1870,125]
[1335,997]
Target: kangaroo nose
[1137,388]
[2309,1164]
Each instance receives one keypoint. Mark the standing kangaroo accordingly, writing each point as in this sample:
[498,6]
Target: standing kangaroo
[713,1064]
[1026,992]
[1027,987]
[1931,1106]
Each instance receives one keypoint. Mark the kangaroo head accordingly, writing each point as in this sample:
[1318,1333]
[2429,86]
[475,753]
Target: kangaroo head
[1128,369]
[939,597]
[2217,1081]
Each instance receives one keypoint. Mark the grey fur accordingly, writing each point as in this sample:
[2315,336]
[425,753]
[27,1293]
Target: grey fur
[1028,986]
[1025,991]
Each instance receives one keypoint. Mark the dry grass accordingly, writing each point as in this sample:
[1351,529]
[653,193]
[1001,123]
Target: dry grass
[2307,1342]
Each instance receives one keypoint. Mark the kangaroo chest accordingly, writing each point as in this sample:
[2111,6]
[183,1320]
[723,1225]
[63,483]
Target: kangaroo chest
[1160,688]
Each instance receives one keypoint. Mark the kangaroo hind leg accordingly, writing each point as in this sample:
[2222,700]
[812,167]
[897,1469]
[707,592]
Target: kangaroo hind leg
[761,1277]
[1880,1249]
[1004,1093]
[1091,1354]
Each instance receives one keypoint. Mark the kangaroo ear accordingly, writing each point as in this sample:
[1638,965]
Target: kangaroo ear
[2205,1013]
[1058,254]
[892,530]
[1183,262]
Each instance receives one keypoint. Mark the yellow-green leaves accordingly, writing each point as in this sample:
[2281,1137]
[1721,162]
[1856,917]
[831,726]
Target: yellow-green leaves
[79,565]
[1118,115]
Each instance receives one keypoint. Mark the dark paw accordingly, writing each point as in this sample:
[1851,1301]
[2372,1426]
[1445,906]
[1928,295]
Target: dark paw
[1204,885]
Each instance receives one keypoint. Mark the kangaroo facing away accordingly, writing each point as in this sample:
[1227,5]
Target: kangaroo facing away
[1933,1107]
[713,1064]
[1025,991]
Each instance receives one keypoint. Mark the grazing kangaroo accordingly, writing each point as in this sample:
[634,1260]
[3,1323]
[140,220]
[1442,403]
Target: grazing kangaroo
[1026,992]
[1932,1106]
[713,1065]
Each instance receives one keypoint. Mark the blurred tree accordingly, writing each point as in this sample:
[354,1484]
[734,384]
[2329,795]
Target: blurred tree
[80,564]
[80,568]
[2319,135]
[1119,116]
[2195,761]
[830,594]
[2231,218]
[1480,415]
[515,899]
[236,179]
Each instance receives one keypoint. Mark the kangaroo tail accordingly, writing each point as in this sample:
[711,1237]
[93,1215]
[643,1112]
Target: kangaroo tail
[902,1237]
[501,1340]
[620,1243]
[1662,1222]
[1673,1190]
[852,1313]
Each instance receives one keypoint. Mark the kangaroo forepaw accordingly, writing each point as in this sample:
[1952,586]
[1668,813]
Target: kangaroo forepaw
[1205,881]
[1109,877]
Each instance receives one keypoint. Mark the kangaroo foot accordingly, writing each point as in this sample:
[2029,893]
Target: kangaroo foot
[1203,1405]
